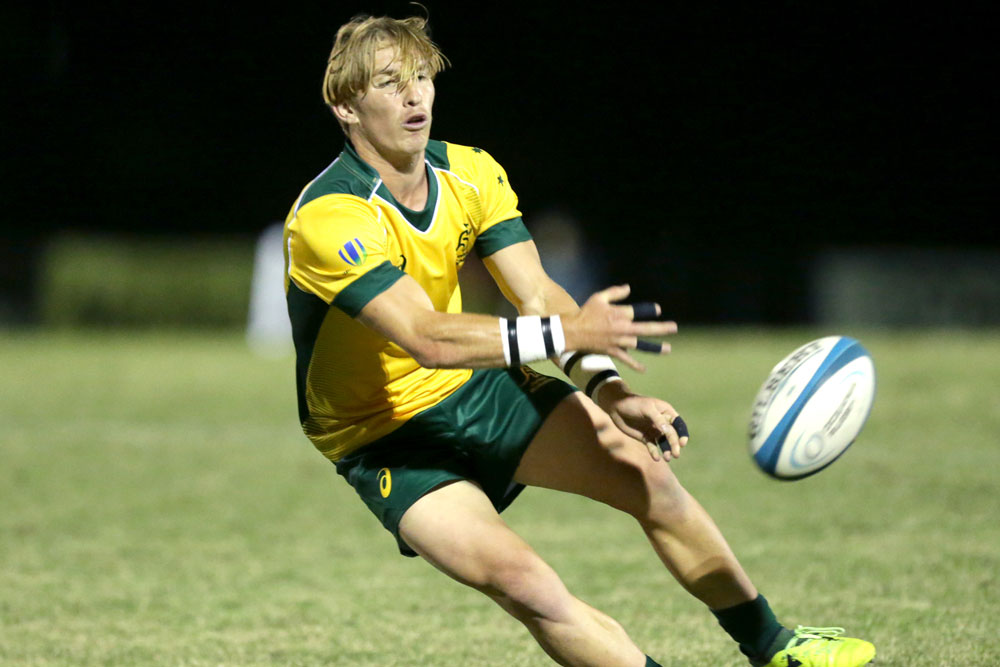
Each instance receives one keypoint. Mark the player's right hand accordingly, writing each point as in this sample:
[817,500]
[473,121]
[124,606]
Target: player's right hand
[604,327]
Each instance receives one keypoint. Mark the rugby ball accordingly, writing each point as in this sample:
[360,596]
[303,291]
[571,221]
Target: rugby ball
[812,407]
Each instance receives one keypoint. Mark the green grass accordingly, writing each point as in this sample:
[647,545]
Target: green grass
[160,506]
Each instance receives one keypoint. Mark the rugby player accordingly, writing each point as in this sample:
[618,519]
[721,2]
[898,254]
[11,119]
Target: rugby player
[431,414]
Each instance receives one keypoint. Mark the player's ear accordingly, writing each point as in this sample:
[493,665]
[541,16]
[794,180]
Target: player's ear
[345,113]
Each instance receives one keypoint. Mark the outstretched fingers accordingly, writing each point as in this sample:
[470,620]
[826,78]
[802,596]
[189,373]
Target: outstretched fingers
[621,355]
[616,329]
[647,311]
[614,293]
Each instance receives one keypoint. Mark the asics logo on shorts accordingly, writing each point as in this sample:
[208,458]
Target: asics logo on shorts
[384,482]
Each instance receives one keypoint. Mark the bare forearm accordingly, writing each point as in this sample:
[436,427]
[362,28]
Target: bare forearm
[404,314]
[458,340]
[550,299]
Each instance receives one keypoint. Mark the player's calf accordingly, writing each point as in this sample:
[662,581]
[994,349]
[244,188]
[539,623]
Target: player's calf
[525,586]
[570,631]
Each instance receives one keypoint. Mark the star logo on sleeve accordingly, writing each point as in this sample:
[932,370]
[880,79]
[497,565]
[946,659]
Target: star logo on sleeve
[500,180]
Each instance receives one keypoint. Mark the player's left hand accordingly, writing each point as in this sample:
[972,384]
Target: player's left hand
[646,419]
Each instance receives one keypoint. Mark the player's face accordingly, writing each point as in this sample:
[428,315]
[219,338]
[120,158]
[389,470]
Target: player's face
[394,116]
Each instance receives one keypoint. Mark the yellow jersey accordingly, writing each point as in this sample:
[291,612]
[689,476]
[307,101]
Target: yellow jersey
[346,241]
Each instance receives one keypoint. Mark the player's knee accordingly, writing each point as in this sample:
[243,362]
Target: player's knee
[669,502]
[646,489]
[659,499]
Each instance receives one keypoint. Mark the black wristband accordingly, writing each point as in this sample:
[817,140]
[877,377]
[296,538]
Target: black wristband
[573,361]
[515,355]
[598,379]
[550,346]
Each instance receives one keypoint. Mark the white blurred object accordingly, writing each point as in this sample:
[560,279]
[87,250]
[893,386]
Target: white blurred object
[269,333]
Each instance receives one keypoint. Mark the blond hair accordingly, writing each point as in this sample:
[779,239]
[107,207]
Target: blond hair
[350,68]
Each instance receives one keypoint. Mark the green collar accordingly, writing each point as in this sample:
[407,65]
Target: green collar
[419,219]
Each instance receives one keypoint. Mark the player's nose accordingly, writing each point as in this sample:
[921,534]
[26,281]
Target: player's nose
[412,95]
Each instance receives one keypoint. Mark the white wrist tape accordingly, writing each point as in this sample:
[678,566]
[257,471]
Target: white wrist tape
[531,338]
[589,372]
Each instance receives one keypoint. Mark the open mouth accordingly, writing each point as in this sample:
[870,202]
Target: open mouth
[416,121]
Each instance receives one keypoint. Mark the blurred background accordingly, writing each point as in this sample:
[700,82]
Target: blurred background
[773,163]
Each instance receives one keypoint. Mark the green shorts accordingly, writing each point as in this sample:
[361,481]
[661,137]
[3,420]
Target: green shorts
[478,433]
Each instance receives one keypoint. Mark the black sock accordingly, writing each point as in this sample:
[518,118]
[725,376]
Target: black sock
[753,625]
[652,663]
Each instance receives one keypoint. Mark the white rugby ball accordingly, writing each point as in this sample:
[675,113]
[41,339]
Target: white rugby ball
[812,407]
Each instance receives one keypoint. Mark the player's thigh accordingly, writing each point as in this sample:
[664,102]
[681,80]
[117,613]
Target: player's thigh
[457,529]
[578,449]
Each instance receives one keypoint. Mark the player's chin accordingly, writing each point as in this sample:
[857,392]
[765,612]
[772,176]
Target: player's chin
[416,140]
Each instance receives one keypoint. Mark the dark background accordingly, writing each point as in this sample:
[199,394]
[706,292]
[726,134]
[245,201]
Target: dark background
[710,153]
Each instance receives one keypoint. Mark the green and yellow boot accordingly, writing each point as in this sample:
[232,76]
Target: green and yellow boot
[823,647]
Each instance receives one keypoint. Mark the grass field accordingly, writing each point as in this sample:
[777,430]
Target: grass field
[159,506]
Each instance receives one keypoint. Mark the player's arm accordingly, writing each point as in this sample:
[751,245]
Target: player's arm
[404,314]
[347,265]
[518,272]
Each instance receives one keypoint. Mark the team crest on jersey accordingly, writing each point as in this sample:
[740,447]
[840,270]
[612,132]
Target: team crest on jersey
[354,253]
[463,246]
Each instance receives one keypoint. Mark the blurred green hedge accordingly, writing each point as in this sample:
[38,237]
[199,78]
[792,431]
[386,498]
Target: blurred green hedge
[143,282]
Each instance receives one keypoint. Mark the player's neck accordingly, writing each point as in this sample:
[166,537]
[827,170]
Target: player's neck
[404,175]
[409,188]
